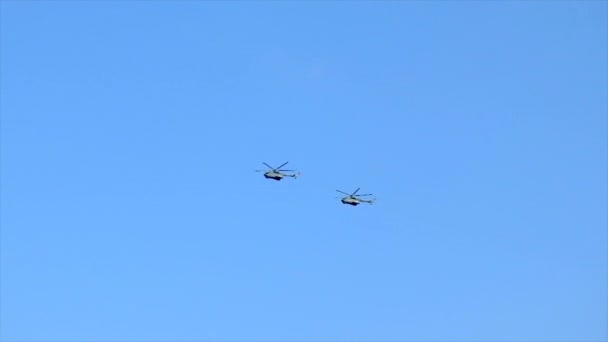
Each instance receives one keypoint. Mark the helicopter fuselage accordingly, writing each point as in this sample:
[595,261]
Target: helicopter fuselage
[273,175]
[350,201]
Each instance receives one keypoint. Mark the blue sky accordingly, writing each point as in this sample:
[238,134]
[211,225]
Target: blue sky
[130,209]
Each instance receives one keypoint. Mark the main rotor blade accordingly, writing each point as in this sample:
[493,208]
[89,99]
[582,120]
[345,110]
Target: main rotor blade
[356,191]
[286,170]
[364,195]
[268,166]
[282,165]
[343,192]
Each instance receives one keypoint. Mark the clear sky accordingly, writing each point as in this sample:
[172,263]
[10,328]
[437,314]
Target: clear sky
[130,209]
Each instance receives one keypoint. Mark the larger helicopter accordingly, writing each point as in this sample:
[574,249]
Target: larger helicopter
[277,173]
[353,199]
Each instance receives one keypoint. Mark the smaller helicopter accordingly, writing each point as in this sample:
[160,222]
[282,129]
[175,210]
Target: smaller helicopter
[353,199]
[277,173]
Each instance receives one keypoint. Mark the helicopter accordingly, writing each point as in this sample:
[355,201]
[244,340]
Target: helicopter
[353,199]
[277,173]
